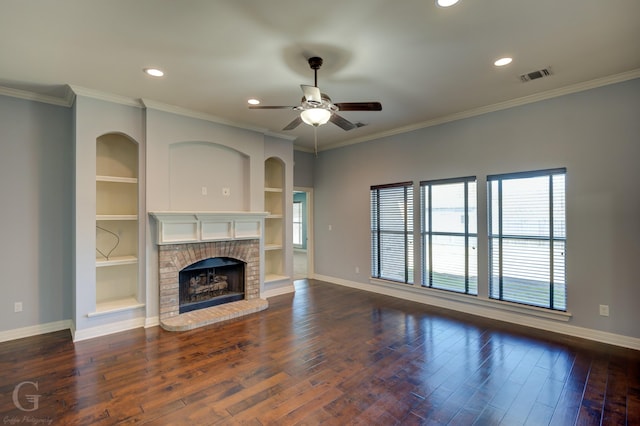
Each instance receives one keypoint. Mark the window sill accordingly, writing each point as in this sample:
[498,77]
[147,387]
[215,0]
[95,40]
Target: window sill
[479,301]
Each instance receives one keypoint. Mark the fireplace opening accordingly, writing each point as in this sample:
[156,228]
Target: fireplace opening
[211,282]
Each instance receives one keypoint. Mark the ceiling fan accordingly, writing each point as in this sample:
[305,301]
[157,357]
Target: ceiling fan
[316,108]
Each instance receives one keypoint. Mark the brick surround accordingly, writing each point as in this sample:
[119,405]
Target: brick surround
[175,257]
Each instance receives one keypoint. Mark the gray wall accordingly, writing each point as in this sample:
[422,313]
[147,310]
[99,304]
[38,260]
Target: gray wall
[36,181]
[303,169]
[594,134]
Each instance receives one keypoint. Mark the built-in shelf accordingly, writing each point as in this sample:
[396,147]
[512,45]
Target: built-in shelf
[117,224]
[117,217]
[115,261]
[271,278]
[116,305]
[116,179]
[274,204]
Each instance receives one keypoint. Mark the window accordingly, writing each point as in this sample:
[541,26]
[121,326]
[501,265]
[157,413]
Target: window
[527,238]
[449,235]
[297,223]
[392,232]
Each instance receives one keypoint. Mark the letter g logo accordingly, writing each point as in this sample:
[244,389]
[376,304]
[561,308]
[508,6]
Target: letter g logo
[33,399]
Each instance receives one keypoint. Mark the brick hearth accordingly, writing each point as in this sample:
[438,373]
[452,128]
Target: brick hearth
[175,257]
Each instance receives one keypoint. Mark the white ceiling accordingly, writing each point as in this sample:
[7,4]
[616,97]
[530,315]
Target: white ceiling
[424,63]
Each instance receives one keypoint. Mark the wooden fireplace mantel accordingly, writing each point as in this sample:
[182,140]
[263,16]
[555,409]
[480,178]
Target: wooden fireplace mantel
[193,227]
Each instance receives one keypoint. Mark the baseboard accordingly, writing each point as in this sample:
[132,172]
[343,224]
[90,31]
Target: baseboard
[496,313]
[35,330]
[103,330]
[151,322]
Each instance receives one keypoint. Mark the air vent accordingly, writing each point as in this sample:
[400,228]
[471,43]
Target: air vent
[534,75]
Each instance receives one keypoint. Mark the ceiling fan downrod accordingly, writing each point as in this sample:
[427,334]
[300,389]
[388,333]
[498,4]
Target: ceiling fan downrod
[315,62]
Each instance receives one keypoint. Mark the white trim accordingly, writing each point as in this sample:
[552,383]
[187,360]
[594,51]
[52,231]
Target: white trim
[108,97]
[496,311]
[104,330]
[34,330]
[536,97]
[151,321]
[159,106]
[67,101]
[310,234]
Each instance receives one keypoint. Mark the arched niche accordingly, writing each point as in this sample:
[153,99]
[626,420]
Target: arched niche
[206,176]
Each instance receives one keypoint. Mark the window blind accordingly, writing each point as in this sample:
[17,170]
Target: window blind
[527,238]
[449,234]
[392,232]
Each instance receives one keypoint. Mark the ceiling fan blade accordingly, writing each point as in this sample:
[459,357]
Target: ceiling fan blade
[312,94]
[359,106]
[342,122]
[295,123]
[271,107]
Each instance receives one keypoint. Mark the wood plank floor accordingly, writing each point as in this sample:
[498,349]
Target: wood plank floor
[324,355]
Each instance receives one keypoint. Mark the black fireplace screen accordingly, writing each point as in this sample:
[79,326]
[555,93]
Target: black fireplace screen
[211,282]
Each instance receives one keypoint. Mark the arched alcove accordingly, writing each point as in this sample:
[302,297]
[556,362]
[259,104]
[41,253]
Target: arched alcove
[206,176]
[117,222]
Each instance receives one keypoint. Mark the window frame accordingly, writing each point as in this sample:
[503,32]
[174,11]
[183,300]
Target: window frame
[297,204]
[427,233]
[377,250]
[550,237]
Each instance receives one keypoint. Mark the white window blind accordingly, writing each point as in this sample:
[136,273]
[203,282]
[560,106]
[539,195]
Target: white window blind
[392,232]
[449,235]
[297,223]
[527,238]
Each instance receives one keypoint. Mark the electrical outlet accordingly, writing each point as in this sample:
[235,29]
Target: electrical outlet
[17,307]
[357,269]
[204,190]
[604,310]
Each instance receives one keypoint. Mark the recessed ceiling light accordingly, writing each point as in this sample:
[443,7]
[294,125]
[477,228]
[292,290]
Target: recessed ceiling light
[154,72]
[446,3]
[502,62]
[253,102]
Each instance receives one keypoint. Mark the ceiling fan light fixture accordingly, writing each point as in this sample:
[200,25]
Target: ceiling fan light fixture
[315,116]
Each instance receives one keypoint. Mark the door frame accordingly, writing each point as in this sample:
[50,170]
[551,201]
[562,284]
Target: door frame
[309,219]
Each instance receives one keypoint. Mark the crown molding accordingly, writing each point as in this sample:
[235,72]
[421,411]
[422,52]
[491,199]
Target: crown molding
[185,112]
[65,101]
[536,97]
[104,96]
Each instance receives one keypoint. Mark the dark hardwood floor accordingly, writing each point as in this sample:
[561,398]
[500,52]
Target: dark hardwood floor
[326,355]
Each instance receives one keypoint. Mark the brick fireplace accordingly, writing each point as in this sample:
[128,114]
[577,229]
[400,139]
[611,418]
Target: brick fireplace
[182,242]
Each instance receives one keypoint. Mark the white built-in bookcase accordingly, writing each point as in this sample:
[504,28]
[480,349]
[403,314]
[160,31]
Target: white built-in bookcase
[274,199]
[117,223]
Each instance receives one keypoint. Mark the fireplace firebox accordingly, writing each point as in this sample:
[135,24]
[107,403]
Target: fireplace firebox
[211,282]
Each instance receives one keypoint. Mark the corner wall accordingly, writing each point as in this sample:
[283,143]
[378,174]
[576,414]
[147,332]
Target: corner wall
[36,177]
